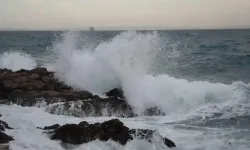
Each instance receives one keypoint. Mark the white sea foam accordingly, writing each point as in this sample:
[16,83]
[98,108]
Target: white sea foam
[16,60]
[25,121]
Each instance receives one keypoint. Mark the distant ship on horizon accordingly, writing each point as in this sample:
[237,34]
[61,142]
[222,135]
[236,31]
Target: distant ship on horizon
[91,28]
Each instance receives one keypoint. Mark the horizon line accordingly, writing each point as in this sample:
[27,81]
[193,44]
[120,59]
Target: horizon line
[128,29]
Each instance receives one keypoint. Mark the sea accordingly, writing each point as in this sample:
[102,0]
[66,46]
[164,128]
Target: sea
[199,78]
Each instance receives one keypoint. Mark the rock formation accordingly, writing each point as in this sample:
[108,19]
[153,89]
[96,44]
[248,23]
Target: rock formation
[109,130]
[39,86]
[4,138]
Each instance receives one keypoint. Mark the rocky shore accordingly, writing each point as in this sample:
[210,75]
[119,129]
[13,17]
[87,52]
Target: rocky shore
[39,87]
[109,130]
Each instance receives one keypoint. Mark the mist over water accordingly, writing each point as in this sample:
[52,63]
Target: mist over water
[142,63]
[17,60]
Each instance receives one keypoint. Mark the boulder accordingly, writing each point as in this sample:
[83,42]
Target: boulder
[36,86]
[40,71]
[4,138]
[149,134]
[54,127]
[32,85]
[112,129]
[9,85]
[5,125]
[94,108]
[2,127]
[117,93]
[99,107]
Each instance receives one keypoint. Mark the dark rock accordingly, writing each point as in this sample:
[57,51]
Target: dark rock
[8,85]
[169,143]
[3,95]
[99,107]
[31,87]
[4,138]
[21,79]
[95,97]
[55,126]
[148,135]
[4,101]
[83,132]
[40,71]
[34,76]
[94,108]
[154,111]
[2,127]
[109,130]
[117,93]
[5,70]
[5,146]
[46,79]
[21,70]
[5,125]
[50,86]
[0,115]
[84,95]
[83,124]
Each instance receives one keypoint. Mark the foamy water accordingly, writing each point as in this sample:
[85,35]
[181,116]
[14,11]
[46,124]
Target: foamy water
[126,61]
[16,60]
[25,120]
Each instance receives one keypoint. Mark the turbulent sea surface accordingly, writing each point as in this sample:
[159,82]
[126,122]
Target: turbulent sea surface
[201,79]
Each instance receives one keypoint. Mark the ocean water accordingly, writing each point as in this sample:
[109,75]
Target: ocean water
[200,79]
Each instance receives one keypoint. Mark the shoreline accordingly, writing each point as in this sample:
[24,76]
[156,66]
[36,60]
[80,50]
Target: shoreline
[40,87]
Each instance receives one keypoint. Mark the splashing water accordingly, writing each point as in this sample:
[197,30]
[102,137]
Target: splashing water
[16,60]
[200,115]
[106,66]
[125,61]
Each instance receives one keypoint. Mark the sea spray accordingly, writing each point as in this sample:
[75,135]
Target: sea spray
[108,64]
[16,60]
[126,61]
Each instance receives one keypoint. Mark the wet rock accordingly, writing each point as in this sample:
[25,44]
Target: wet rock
[99,107]
[32,85]
[84,95]
[5,125]
[40,71]
[149,134]
[4,138]
[36,83]
[4,147]
[109,130]
[8,85]
[154,111]
[169,143]
[36,86]
[95,107]
[2,127]
[117,93]
[55,126]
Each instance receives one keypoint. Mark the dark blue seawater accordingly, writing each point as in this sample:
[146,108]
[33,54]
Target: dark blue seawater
[199,77]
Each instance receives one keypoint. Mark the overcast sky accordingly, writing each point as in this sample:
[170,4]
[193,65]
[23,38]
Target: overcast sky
[124,14]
